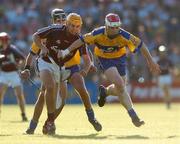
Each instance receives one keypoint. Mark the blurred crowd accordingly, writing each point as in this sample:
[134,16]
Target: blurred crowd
[156,22]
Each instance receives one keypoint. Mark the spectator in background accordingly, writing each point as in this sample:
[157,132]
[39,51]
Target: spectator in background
[165,78]
[157,18]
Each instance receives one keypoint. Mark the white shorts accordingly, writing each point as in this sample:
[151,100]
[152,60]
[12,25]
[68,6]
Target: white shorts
[54,69]
[58,100]
[165,80]
[11,79]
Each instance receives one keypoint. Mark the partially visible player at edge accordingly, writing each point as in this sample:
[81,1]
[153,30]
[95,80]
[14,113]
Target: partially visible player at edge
[111,42]
[10,58]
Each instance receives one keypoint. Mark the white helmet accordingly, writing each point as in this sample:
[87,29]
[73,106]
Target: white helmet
[112,20]
[4,36]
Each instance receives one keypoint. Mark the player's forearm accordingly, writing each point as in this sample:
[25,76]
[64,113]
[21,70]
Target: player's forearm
[75,45]
[29,60]
[87,63]
[145,52]
[37,41]
[72,47]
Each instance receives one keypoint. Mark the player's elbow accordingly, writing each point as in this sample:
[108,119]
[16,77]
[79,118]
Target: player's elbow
[35,37]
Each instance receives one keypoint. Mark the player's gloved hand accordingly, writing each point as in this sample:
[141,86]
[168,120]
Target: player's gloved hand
[63,53]
[154,67]
[25,74]
[93,69]
[83,73]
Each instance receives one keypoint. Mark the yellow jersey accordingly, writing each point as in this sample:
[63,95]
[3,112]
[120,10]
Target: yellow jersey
[75,60]
[111,48]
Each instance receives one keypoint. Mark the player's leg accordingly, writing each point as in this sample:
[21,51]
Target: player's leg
[60,102]
[108,65]
[111,90]
[164,83]
[17,86]
[37,112]
[114,70]
[78,83]
[49,84]
[119,89]
[39,106]
[21,101]
[3,88]
[47,77]
[167,97]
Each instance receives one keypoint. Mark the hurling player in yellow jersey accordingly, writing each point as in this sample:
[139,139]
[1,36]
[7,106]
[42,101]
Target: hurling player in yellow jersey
[110,43]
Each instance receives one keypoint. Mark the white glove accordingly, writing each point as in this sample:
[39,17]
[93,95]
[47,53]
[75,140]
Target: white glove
[63,53]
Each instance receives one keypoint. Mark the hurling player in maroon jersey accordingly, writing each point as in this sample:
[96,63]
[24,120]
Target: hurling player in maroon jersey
[9,77]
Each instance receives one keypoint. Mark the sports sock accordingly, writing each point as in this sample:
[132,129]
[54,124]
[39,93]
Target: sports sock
[23,114]
[132,113]
[33,125]
[50,117]
[90,114]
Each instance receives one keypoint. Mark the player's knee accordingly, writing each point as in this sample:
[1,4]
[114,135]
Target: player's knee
[120,88]
[49,86]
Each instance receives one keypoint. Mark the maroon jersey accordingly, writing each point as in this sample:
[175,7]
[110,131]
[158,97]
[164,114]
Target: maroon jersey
[59,39]
[9,58]
[165,65]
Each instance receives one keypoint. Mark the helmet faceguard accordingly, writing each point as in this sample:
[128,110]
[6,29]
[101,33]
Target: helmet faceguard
[58,14]
[112,20]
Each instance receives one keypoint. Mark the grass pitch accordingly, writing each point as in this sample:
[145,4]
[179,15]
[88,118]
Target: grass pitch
[162,126]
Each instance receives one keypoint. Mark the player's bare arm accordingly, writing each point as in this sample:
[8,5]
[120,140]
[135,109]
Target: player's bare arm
[86,66]
[73,46]
[92,67]
[37,41]
[153,66]
[25,74]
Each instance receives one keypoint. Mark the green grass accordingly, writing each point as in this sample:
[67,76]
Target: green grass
[162,126]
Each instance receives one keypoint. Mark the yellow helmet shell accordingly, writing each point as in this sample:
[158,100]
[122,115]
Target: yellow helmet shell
[74,19]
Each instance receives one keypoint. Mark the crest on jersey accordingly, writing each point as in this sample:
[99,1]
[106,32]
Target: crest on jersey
[58,42]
